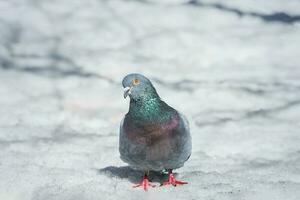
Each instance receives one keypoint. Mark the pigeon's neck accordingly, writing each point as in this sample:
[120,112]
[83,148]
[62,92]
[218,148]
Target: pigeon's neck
[149,110]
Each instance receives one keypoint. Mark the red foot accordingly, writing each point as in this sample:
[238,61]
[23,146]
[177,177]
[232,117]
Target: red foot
[145,184]
[173,181]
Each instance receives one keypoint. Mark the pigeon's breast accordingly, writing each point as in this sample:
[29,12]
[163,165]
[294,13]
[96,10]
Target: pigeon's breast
[150,133]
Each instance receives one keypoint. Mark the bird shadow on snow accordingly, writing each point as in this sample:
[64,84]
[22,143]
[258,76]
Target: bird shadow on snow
[134,176]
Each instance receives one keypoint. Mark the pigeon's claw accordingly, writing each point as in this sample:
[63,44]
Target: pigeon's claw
[173,181]
[145,184]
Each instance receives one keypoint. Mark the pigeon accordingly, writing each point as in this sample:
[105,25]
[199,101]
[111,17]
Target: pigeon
[153,135]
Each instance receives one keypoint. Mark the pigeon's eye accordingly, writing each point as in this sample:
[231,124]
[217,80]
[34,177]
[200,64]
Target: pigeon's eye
[136,81]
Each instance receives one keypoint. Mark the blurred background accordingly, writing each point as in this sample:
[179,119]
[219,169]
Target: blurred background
[231,66]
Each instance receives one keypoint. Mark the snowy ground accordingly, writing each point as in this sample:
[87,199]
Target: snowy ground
[232,67]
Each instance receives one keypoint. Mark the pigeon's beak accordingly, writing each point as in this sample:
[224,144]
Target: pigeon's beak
[127,91]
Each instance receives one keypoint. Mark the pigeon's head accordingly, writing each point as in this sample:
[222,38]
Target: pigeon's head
[137,86]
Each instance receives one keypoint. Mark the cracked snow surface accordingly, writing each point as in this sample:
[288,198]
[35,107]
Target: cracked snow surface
[232,67]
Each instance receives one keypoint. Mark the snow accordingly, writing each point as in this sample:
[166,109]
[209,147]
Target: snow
[235,77]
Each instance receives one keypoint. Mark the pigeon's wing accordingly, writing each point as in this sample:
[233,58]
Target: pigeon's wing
[121,125]
[185,122]
[123,143]
[187,128]
[121,136]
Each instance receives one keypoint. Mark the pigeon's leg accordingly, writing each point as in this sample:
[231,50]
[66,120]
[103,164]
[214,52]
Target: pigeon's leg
[145,183]
[172,180]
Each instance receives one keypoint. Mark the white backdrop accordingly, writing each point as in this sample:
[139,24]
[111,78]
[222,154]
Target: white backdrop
[232,67]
